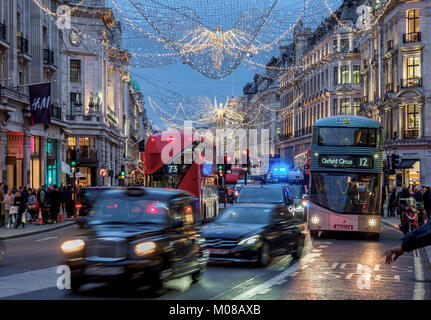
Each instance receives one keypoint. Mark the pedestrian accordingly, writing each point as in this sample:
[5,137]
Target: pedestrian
[8,202]
[391,202]
[427,202]
[32,204]
[417,195]
[55,197]
[41,199]
[2,214]
[19,202]
[384,198]
[69,202]
[418,238]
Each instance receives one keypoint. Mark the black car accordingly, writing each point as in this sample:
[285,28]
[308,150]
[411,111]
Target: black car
[253,233]
[266,194]
[85,199]
[138,236]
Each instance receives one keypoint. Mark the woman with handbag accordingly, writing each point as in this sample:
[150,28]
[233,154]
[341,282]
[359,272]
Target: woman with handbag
[8,202]
[19,202]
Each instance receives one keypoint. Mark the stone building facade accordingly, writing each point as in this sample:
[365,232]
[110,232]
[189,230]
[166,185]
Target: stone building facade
[396,86]
[322,79]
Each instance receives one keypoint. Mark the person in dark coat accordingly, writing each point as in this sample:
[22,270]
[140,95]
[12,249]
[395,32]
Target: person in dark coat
[391,202]
[55,203]
[68,201]
[19,201]
[418,238]
[427,202]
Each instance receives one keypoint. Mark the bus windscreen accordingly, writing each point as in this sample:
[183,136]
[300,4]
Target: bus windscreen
[348,137]
[346,193]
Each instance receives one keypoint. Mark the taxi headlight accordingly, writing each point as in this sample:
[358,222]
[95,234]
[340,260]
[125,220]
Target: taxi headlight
[72,245]
[249,241]
[144,248]
[372,222]
[315,220]
[304,203]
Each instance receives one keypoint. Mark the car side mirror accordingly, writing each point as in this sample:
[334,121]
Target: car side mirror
[178,223]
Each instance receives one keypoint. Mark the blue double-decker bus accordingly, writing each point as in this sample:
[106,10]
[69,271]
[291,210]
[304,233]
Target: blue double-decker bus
[345,176]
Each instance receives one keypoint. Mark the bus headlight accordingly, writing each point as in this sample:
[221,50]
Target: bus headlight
[372,222]
[72,245]
[315,220]
[144,248]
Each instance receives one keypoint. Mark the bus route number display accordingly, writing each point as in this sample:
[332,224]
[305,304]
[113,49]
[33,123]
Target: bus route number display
[345,161]
[172,168]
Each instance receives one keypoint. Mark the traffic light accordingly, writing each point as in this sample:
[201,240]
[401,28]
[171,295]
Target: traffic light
[228,164]
[396,160]
[122,174]
[220,169]
[246,166]
[73,159]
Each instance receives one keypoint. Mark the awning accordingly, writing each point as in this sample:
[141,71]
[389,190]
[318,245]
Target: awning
[65,168]
[407,163]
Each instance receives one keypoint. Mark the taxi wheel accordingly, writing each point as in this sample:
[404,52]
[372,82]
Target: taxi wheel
[196,276]
[264,258]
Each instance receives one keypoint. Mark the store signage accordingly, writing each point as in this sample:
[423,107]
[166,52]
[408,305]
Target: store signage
[346,161]
[103,172]
[40,103]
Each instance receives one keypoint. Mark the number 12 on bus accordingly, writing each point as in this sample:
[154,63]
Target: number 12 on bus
[346,176]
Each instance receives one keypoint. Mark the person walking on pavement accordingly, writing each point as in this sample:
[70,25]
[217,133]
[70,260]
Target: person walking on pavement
[419,238]
[391,202]
[19,202]
[8,202]
[427,202]
[31,204]
[41,199]
[68,201]
[55,197]
[2,213]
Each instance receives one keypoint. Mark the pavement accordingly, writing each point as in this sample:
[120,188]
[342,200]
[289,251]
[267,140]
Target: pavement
[31,229]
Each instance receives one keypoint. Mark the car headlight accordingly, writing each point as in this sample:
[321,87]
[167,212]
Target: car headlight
[315,220]
[72,245]
[249,241]
[372,222]
[144,248]
[304,203]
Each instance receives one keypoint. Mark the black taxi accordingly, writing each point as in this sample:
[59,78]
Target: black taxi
[138,236]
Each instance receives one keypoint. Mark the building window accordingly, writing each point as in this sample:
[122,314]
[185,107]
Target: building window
[335,76]
[335,106]
[356,105]
[75,70]
[412,117]
[345,75]
[356,74]
[413,69]
[344,106]
[413,21]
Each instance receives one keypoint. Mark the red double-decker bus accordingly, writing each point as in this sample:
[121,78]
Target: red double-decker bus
[175,172]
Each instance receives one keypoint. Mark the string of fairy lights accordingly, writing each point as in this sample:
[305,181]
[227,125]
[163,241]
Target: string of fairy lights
[213,38]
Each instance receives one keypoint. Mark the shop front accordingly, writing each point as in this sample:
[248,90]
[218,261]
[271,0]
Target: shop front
[35,162]
[14,159]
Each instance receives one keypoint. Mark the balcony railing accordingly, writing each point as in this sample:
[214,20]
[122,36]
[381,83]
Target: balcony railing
[412,37]
[56,112]
[48,56]
[411,82]
[390,45]
[22,45]
[411,134]
[2,31]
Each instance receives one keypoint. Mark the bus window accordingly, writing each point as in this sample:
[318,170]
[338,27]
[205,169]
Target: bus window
[351,137]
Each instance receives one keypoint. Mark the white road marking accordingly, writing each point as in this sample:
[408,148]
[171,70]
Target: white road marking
[264,287]
[26,282]
[323,247]
[44,239]
[419,289]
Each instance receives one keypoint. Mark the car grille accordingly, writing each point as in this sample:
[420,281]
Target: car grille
[220,243]
[108,248]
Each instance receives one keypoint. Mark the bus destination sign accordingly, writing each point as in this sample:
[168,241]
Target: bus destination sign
[346,161]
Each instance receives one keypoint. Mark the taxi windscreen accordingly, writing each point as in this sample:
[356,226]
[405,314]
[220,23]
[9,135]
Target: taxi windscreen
[130,211]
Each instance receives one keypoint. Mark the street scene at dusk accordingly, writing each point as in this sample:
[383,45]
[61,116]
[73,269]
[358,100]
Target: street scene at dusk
[224,151]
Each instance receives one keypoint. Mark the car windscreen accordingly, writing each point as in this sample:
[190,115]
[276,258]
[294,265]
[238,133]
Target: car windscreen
[262,195]
[247,214]
[296,191]
[130,211]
